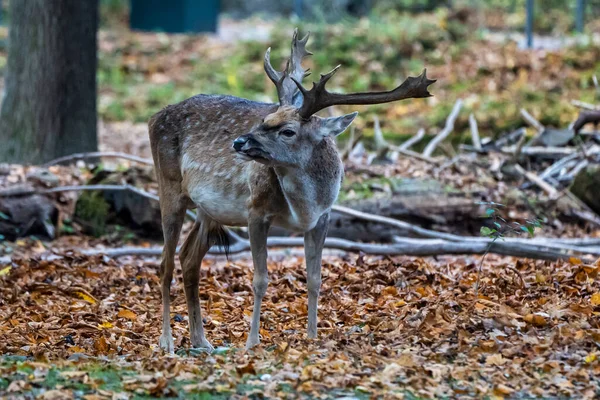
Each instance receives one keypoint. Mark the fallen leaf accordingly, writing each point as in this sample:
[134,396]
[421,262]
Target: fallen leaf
[536,320]
[128,314]
[496,359]
[86,297]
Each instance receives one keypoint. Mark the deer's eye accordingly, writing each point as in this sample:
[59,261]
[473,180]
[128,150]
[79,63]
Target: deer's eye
[287,133]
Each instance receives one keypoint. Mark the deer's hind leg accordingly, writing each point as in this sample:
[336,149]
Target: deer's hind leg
[193,251]
[172,207]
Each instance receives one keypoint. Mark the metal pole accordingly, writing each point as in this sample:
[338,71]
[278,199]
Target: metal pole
[580,16]
[529,24]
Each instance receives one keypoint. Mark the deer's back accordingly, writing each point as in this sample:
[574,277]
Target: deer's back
[204,124]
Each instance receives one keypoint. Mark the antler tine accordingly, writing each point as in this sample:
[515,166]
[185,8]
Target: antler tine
[298,52]
[271,73]
[318,98]
[284,90]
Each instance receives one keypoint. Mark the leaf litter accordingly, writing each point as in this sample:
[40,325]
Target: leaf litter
[388,328]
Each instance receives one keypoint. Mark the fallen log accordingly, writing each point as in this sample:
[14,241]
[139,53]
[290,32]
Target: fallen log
[401,246]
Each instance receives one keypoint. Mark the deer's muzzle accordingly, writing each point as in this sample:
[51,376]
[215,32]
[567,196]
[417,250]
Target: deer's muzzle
[250,147]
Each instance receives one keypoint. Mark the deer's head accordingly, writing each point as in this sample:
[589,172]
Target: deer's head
[289,135]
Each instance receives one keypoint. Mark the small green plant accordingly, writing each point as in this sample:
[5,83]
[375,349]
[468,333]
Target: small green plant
[92,209]
[500,229]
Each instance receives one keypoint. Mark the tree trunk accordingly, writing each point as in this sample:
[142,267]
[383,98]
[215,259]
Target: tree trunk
[49,106]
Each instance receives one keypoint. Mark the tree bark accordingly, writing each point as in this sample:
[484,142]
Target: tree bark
[49,107]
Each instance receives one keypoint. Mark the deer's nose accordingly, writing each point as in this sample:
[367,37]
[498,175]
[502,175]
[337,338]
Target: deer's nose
[240,142]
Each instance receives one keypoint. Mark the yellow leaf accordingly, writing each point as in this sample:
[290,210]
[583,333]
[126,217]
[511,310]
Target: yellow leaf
[590,358]
[127,314]
[86,297]
[105,325]
[575,261]
[400,303]
[595,299]
[4,271]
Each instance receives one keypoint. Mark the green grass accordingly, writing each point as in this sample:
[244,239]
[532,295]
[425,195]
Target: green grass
[85,378]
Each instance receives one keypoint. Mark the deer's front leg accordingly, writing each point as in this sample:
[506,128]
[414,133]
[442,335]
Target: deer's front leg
[258,229]
[313,250]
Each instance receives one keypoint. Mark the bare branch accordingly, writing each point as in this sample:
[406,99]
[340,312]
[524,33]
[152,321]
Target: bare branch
[531,120]
[542,184]
[448,128]
[352,142]
[474,132]
[585,106]
[383,146]
[401,246]
[413,140]
[98,154]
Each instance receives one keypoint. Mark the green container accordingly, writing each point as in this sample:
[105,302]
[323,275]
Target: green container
[174,16]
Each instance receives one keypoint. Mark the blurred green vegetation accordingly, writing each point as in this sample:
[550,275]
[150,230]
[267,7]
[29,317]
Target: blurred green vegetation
[141,73]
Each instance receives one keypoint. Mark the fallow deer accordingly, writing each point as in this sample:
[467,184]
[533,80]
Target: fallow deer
[245,163]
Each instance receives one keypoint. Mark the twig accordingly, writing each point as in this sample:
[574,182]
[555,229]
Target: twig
[352,142]
[448,128]
[413,140]
[533,151]
[585,106]
[98,154]
[383,146]
[557,166]
[532,121]
[474,132]
[542,184]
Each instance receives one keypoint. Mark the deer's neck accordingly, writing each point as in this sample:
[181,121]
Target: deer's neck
[310,192]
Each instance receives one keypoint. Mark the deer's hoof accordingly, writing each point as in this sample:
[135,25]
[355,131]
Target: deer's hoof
[251,342]
[166,343]
[204,345]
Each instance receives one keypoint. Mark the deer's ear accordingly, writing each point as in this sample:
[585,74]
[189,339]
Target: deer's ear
[335,125]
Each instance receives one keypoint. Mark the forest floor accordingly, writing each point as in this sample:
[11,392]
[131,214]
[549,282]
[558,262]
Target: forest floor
[88,327]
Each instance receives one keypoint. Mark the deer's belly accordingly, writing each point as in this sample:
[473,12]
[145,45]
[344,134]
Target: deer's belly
[225,203]
[299,222]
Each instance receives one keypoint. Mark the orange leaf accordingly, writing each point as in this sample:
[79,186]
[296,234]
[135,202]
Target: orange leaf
[127,314]
[76,349]
[101,345]
[536,320]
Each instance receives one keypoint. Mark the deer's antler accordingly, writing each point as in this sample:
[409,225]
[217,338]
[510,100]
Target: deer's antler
[318,98]
[284,81]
